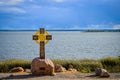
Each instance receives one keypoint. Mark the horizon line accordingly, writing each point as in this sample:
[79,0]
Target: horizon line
[54,29]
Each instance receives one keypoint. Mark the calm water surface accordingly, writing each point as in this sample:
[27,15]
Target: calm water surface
[64,45]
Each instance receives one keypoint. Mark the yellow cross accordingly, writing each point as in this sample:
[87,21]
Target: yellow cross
[42,37]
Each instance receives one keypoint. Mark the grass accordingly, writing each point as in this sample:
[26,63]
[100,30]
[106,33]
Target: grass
[111,64]
[80,65]
[86,65]
[5,66]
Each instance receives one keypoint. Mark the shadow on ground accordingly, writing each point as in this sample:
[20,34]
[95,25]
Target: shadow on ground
[25,76]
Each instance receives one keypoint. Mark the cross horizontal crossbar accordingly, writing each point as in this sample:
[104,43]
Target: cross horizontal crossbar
[36,37]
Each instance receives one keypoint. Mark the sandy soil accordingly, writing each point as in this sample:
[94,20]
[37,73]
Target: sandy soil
[59,76]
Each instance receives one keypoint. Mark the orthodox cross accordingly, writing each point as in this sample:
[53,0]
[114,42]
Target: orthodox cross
[42,37]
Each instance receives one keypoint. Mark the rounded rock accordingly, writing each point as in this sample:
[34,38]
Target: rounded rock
[42,67]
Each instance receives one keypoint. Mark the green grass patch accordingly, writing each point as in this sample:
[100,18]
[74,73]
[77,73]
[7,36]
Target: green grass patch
[80,65]
[111,64]
[5,66]
[85,65]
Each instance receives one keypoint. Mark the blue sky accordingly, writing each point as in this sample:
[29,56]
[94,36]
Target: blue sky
[59,14]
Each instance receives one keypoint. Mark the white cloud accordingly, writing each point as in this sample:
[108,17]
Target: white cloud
[59,1]
[10,2]
[75,27]
[7,6]
[34,1]
[13,10]
[35,6]
[98,26]
[116,26]
[31,0]
[62,1]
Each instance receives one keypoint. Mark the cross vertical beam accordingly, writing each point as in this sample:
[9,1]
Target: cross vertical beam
[42,45]
[42,50]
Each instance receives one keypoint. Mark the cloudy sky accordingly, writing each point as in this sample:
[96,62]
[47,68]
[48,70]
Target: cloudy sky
[59,14]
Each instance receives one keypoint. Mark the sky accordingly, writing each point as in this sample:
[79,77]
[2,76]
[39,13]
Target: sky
[59,14]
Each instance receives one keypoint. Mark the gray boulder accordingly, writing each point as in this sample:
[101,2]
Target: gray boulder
[102,72]
[59,68]
[17,69]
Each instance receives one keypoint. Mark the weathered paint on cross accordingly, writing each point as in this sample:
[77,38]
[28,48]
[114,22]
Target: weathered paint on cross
[42,37]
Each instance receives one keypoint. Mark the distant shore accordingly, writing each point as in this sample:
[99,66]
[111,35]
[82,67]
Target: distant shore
[82,30]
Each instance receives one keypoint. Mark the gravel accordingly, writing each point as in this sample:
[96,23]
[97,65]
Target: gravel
[59,76]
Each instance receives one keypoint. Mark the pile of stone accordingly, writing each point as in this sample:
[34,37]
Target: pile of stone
[59,68]
[102,72]
[17,69]
[72,69]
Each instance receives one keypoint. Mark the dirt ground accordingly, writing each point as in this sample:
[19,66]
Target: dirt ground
[59,76]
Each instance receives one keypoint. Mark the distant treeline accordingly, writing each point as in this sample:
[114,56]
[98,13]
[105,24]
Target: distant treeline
[117,30]
[82,30]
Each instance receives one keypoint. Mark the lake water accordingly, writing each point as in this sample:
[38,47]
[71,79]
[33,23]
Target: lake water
[64,45]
